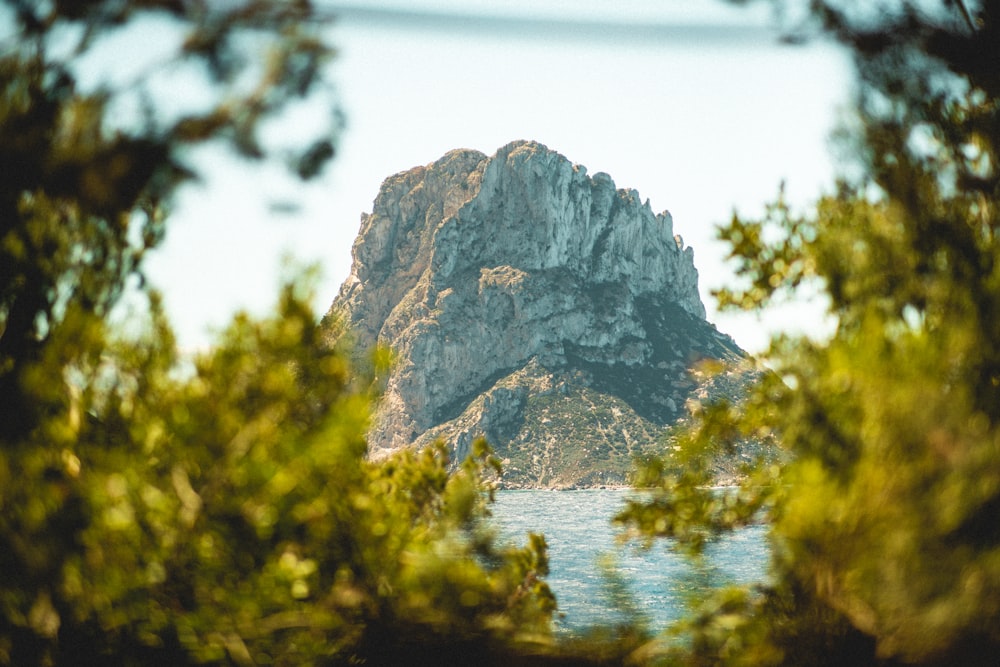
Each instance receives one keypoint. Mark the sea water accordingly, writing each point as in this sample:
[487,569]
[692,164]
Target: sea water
[596,580]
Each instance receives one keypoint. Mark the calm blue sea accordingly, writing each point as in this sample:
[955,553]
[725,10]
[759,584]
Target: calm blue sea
[582,545]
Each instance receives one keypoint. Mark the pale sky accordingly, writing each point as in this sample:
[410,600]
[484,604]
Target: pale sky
[694,103]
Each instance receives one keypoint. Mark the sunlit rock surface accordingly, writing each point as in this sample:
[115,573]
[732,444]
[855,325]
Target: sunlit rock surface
[531,303]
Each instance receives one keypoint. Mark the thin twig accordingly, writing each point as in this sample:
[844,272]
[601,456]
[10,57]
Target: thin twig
[965,13]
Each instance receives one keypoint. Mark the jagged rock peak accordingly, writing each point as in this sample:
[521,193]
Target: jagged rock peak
[526,207]
[475,268]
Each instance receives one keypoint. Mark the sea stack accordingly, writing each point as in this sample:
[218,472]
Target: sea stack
[531,303]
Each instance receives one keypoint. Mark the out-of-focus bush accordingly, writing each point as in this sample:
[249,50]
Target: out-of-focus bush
[885,520]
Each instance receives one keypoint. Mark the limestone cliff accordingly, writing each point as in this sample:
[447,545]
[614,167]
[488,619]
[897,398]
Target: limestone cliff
[531,303]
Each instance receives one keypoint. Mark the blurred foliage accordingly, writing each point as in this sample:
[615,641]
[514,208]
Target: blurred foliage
[228,515]
[885,519]
[157,511]
[89,166]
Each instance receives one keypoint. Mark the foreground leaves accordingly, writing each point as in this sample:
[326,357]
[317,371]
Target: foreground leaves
[227,515]
[883,511]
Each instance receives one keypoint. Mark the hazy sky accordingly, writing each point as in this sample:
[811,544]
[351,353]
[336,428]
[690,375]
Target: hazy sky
[694,103]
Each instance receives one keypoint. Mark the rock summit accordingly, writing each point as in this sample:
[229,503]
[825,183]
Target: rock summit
[531,303]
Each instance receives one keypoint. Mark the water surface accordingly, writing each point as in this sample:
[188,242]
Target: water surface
[658,581]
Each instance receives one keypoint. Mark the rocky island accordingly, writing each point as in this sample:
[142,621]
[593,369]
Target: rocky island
[531,303]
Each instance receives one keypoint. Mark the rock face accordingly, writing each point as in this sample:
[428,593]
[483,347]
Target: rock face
[531,303]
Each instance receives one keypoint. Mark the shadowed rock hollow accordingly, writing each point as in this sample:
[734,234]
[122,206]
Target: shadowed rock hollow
[531,303]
